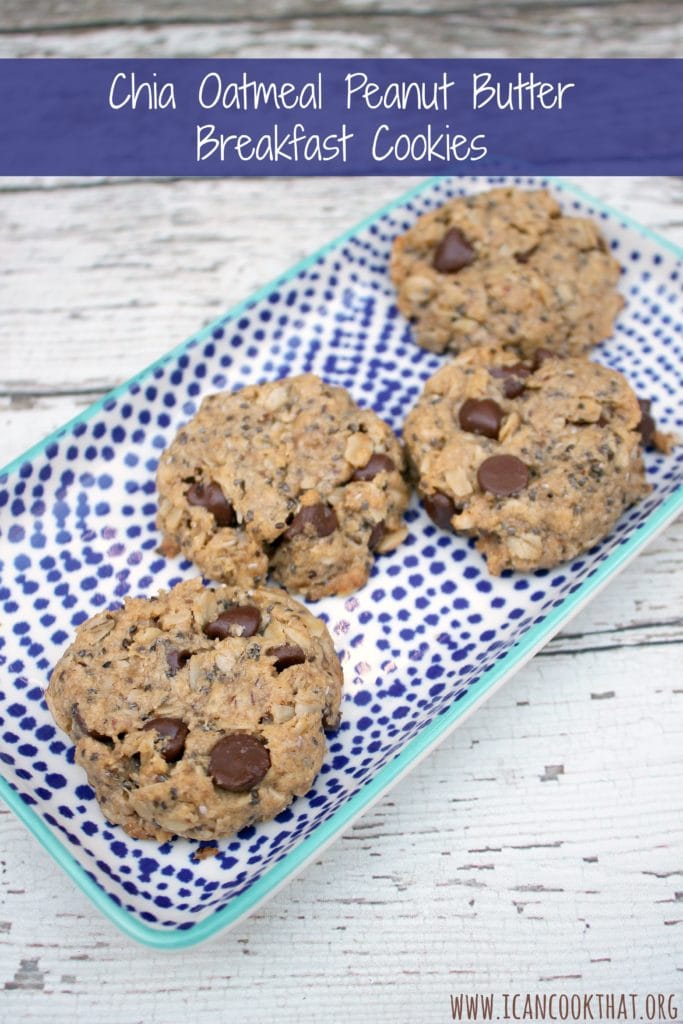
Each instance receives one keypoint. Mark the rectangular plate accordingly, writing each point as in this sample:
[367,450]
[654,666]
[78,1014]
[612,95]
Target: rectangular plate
[429,637]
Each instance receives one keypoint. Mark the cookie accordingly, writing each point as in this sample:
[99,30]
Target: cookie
[200,711]
[536,461]
[506,267]
[290,477]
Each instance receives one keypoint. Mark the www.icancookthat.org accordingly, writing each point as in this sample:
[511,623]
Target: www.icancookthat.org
[578,1007]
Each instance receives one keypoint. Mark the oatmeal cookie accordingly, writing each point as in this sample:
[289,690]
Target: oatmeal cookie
[537,461]
[506,267]
[291,477]
[200,711]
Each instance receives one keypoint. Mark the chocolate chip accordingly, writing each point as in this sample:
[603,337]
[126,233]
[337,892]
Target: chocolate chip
[377,535]
[176,659]
[79,722]
[512,377]
[378,463]
[211,497]
[174,732]
[481,416]
[320,518]
[515,370]
[513,387]
[286,655]
[647,425]
[453,253]
[540,356]
[524,257]
[503,475]
[238,762]
[242,620]
[439,508]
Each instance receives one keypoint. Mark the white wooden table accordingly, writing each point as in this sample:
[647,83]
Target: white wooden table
[540,849]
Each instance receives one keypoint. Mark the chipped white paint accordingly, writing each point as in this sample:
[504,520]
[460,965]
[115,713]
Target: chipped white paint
[494,28]
[539,849]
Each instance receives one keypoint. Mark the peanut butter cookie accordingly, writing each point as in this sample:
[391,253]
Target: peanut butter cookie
[290,477]
[506,267]
[538,461]
[199,711]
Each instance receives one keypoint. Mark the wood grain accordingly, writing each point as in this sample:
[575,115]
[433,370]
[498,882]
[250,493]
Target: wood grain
[69,14]
[143,265]
[521,29]
[539,848]
[533,851]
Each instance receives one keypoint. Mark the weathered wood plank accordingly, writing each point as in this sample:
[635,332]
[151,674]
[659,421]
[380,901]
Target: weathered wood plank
[70,14]
[486,870]
[539,848]
[491,30]
[143,265]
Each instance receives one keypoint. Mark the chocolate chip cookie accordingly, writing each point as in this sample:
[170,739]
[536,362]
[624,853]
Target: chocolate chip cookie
[537,460]
[506,267]
[200,711]
[290,477]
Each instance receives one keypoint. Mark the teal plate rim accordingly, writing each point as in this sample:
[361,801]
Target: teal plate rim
[417,748]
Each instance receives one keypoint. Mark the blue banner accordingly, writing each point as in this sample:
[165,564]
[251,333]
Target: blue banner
[330,117]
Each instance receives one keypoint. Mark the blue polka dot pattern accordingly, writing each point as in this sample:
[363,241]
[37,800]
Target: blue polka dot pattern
[78,534]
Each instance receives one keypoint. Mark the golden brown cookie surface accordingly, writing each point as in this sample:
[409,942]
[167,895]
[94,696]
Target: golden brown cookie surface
[506,267]
[538,464]
[199,711]
[290,477]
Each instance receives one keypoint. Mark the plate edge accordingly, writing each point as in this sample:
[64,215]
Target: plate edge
[260,293]
[428,738]
[388,776]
